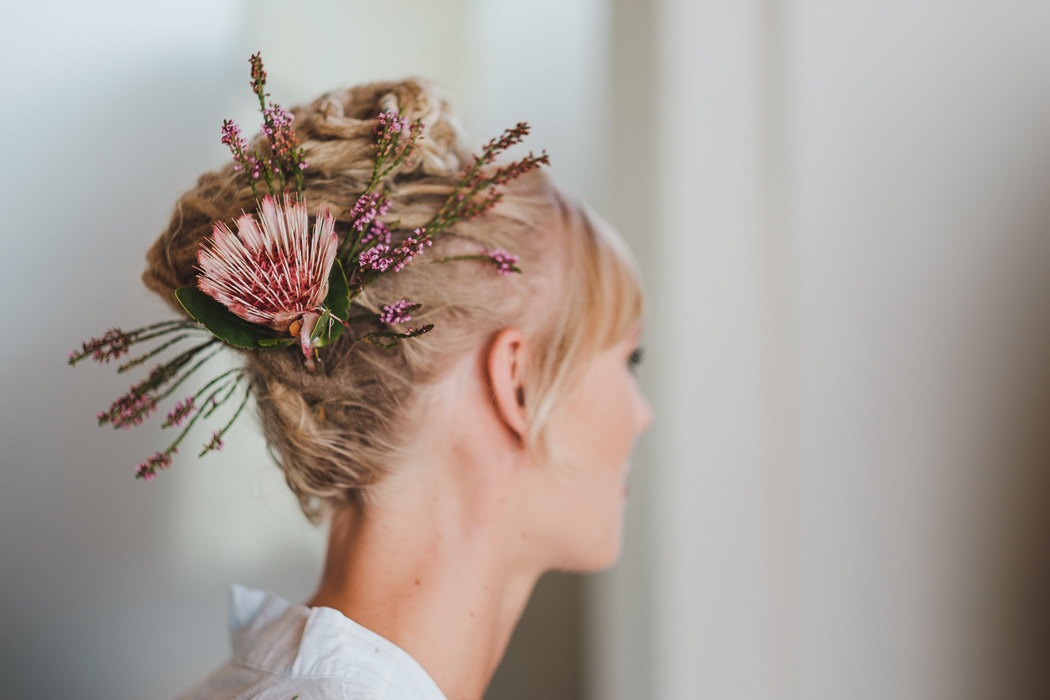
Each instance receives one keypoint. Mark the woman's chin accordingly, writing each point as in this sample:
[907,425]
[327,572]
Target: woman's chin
[597,561]
[598,556]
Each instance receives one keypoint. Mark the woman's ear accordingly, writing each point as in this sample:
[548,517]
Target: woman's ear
[506,366]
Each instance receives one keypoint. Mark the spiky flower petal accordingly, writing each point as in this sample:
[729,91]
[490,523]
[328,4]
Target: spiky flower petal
[274,270]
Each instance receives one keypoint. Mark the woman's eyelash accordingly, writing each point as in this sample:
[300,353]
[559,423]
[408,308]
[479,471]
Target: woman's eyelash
[636,358]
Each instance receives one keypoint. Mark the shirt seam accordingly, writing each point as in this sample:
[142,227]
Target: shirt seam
[342,679]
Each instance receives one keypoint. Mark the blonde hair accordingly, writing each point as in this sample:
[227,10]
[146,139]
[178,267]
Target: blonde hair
[339,430]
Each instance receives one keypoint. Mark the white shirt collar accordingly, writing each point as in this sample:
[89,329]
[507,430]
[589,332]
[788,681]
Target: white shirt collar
[270,634]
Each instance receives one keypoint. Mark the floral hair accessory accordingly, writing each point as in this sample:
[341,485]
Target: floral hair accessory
[277,283]
[274,272]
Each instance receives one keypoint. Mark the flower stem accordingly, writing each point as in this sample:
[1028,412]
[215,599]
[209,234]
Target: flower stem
[135,362]
[217,438]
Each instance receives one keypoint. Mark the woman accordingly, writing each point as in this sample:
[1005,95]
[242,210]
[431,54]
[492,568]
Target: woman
[456,468]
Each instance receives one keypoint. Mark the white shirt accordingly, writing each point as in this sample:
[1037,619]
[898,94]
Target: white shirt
[281,650]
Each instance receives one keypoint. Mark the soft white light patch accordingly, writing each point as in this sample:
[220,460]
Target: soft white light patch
[234,518]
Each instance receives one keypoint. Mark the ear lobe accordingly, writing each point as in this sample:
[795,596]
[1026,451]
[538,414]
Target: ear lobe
[506,367]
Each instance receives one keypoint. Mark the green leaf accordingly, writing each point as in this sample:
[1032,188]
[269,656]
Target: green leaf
[276,343]
[329,337]
[338,299]
[319,327]
[337,302]
[221,322]
[327,329]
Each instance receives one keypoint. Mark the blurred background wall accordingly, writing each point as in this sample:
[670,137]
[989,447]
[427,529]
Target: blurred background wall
[842,210]
[842,213]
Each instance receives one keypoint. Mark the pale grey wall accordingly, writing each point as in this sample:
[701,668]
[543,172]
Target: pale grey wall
[923,220]
[845,492]
[108,112]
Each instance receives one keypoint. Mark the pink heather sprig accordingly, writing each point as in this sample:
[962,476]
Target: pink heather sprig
[116,343]
[141,399]
[215,443]
[148,469]
[178,414]
[388,340]
[129,410]
[395,142]
[277,119]
[476,192]
[367,208]
[509,137]
[504,261]
[231,137]
[258,79]
[183,409]
[381,258]
[287,159]
[162,460]
[475,208]
[250,163]
[398,312]
[362,218]
[378,231]
[389,124]
[111,346]
[376,258]
[410,248]
[515,170]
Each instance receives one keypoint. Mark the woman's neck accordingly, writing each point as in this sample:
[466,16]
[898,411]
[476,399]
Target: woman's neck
[436,569]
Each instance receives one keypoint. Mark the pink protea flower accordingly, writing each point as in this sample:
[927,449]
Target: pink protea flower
[274,271]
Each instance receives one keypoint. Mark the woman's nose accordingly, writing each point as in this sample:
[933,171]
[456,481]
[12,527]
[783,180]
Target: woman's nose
[644,414]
